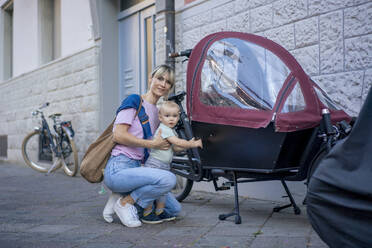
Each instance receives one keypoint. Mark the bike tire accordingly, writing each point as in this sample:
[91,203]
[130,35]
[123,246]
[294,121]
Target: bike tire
[30,153]
[71,167]
[182,188]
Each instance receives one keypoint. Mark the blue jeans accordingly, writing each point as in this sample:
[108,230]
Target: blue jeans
[124,175]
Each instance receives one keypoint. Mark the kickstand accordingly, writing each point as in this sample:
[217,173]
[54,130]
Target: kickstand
[293,204]
[235,212]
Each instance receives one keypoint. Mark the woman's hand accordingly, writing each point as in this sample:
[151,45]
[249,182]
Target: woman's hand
[159,143]
[123,137]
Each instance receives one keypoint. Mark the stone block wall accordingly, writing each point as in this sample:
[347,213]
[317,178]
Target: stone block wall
[331,39]
[70,85]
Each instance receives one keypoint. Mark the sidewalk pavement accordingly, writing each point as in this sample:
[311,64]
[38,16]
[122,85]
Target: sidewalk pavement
[60,211]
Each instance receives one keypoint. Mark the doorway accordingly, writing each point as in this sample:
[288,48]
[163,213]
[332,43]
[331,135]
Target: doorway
[136,49]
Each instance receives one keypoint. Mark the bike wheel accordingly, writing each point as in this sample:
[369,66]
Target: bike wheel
[70,156]
[182,188]
[32,153]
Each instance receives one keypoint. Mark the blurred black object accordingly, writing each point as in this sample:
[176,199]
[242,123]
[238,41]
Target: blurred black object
[339,198]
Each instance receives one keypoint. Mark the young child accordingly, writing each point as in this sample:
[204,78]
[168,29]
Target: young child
[168,115]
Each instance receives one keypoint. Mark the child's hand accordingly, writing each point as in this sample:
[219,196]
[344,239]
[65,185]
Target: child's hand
[197,143]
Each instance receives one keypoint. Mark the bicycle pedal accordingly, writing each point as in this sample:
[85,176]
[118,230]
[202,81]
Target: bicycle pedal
[225,186]
[228,184]
[222,188]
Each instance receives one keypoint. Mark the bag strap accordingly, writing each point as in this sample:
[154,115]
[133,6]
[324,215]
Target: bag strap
[133,101]
[139,107]
[144,119]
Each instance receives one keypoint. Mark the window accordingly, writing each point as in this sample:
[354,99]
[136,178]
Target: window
[149,45]
[126,4]
[238,73]
[295,101]
[49,30]
[3,145]
[188,1]
[7,48]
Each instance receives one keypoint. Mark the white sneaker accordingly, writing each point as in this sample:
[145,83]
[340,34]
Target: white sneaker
[108,211]
[127,214]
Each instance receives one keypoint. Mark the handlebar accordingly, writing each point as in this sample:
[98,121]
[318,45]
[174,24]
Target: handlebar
[184,53]
[327,122]
[177,98]
[44,105]
[38,111]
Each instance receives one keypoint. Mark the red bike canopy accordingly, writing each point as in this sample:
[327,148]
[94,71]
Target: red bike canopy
[246,80]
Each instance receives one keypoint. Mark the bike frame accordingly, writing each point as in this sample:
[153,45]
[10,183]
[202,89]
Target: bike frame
[55,145]
[184,130]
[45,127]
[317,139]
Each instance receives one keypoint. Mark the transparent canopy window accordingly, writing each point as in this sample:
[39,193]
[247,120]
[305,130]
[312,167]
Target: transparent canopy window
[241,74]
[295,101]
[325,99]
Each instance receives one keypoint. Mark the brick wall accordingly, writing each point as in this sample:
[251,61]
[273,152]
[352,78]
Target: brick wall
[69,84]
[332,40]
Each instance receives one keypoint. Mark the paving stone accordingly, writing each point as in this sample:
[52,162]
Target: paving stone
[107,245]
[223,241]
[51,228]
[166,242]
[231,229]
[279,242]
[15,227]
[194,221]
[316,242]
[60,211]
[187,231]
[21,240]
[288,227]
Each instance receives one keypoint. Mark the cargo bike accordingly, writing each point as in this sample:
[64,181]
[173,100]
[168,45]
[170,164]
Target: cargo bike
[259,115]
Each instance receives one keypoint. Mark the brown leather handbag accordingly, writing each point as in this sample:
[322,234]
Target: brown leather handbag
[98,153]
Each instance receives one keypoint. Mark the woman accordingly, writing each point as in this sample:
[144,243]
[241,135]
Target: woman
[135,187]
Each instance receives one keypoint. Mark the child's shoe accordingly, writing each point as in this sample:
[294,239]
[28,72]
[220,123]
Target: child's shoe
[151,218]
[108,211]
[140,210]
[166,217]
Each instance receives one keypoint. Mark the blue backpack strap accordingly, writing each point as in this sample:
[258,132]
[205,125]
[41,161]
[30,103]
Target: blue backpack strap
[134,101]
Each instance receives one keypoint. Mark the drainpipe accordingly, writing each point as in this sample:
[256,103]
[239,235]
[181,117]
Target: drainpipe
[166,8]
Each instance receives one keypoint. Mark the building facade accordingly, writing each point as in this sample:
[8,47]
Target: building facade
[85,56]
[48,54]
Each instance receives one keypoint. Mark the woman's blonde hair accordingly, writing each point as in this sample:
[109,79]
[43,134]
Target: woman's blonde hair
[161,70]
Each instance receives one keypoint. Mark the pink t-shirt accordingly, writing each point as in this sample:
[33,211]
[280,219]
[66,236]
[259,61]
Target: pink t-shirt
[126,116]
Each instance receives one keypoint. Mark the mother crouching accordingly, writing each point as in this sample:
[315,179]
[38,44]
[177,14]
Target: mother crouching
[135,187]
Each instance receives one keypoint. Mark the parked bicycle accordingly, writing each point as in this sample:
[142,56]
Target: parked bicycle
[47,150]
